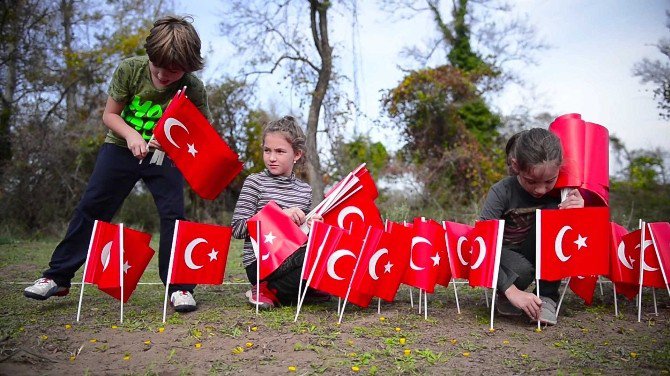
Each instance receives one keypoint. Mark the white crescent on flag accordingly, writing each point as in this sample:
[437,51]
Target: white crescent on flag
[558,244]
[622,256]
[372,267]
[104,256]
[168,129]
[345,212]
[646,267]
[254,246]
[416,240]
[482,252]
[333,259]
[188,253]
[459,249]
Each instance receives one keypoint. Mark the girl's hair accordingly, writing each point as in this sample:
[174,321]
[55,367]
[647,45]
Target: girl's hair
[292,132]
[173,43]
[533,147]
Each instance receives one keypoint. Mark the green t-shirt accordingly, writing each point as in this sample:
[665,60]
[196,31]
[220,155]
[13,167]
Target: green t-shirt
[144,104]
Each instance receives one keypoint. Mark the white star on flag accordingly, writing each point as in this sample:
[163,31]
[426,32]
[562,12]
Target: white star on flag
[126,266]
[269,238]
[581,241]
[212,255]
[387,267]
[436,259]
[191,149]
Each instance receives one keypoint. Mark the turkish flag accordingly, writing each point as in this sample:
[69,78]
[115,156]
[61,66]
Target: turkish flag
[206,161]
[652,273]
[355,214]
[323,238]
[585,157]
[622,264]
[486,244]
[458,248]
[362,177]
[279,237]
[104,244]
[199,253]
[427,255]
[388,263]
[584,287]
[572,242]
[659,232]
[623,273]
[136,254]
[335,269]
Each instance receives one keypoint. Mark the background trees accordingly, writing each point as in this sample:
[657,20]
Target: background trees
[57,57]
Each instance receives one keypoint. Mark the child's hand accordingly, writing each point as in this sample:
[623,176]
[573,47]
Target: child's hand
[527,302]
[153,143]
[296,215]
[137,145]
[315,217]
[573,200]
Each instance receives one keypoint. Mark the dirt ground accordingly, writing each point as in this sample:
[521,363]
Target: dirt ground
[226,336]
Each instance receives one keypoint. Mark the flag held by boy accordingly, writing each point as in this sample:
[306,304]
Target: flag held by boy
[206,161]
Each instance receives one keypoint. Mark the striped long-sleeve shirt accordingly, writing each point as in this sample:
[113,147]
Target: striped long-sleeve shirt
[257,191]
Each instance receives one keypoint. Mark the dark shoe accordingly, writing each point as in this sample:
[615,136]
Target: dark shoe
[44,288]
[506,308]
[314,296]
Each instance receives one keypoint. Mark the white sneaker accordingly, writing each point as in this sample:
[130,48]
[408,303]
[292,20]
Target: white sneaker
[183,301]
[44,288]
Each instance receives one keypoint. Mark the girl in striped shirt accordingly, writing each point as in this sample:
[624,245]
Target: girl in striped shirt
[283,149]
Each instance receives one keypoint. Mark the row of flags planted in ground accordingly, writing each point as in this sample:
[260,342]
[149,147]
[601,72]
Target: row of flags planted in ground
[355,255]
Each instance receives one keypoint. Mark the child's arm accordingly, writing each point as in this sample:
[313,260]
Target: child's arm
[573,200]
[112,119]
[246,207]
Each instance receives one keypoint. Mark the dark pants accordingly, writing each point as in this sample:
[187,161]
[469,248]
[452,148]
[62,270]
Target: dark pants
[115,173]
[285,280]
[517,267]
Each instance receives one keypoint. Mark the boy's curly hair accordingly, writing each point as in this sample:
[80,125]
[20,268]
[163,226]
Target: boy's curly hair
[173,43]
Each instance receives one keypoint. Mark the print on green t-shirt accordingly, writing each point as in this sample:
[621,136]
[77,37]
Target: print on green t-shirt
[142,115]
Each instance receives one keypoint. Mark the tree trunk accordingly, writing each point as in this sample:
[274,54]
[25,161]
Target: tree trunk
[320,35]
[8,90]
[67,11]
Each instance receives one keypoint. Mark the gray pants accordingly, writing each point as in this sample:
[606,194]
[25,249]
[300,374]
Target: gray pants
[517,267]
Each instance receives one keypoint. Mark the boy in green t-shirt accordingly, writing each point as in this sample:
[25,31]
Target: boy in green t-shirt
[140,90]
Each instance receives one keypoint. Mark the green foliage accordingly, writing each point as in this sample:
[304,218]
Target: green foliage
[349,155]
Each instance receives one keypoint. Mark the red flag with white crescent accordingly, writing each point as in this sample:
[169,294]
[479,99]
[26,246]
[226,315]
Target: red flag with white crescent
[203,157]
[279,238]
[355,214]
[572,242]
[458,247]
[426,255]
[388,263]
[486,244]
[136,256]
[199,253]
[335,269]
[103,246]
